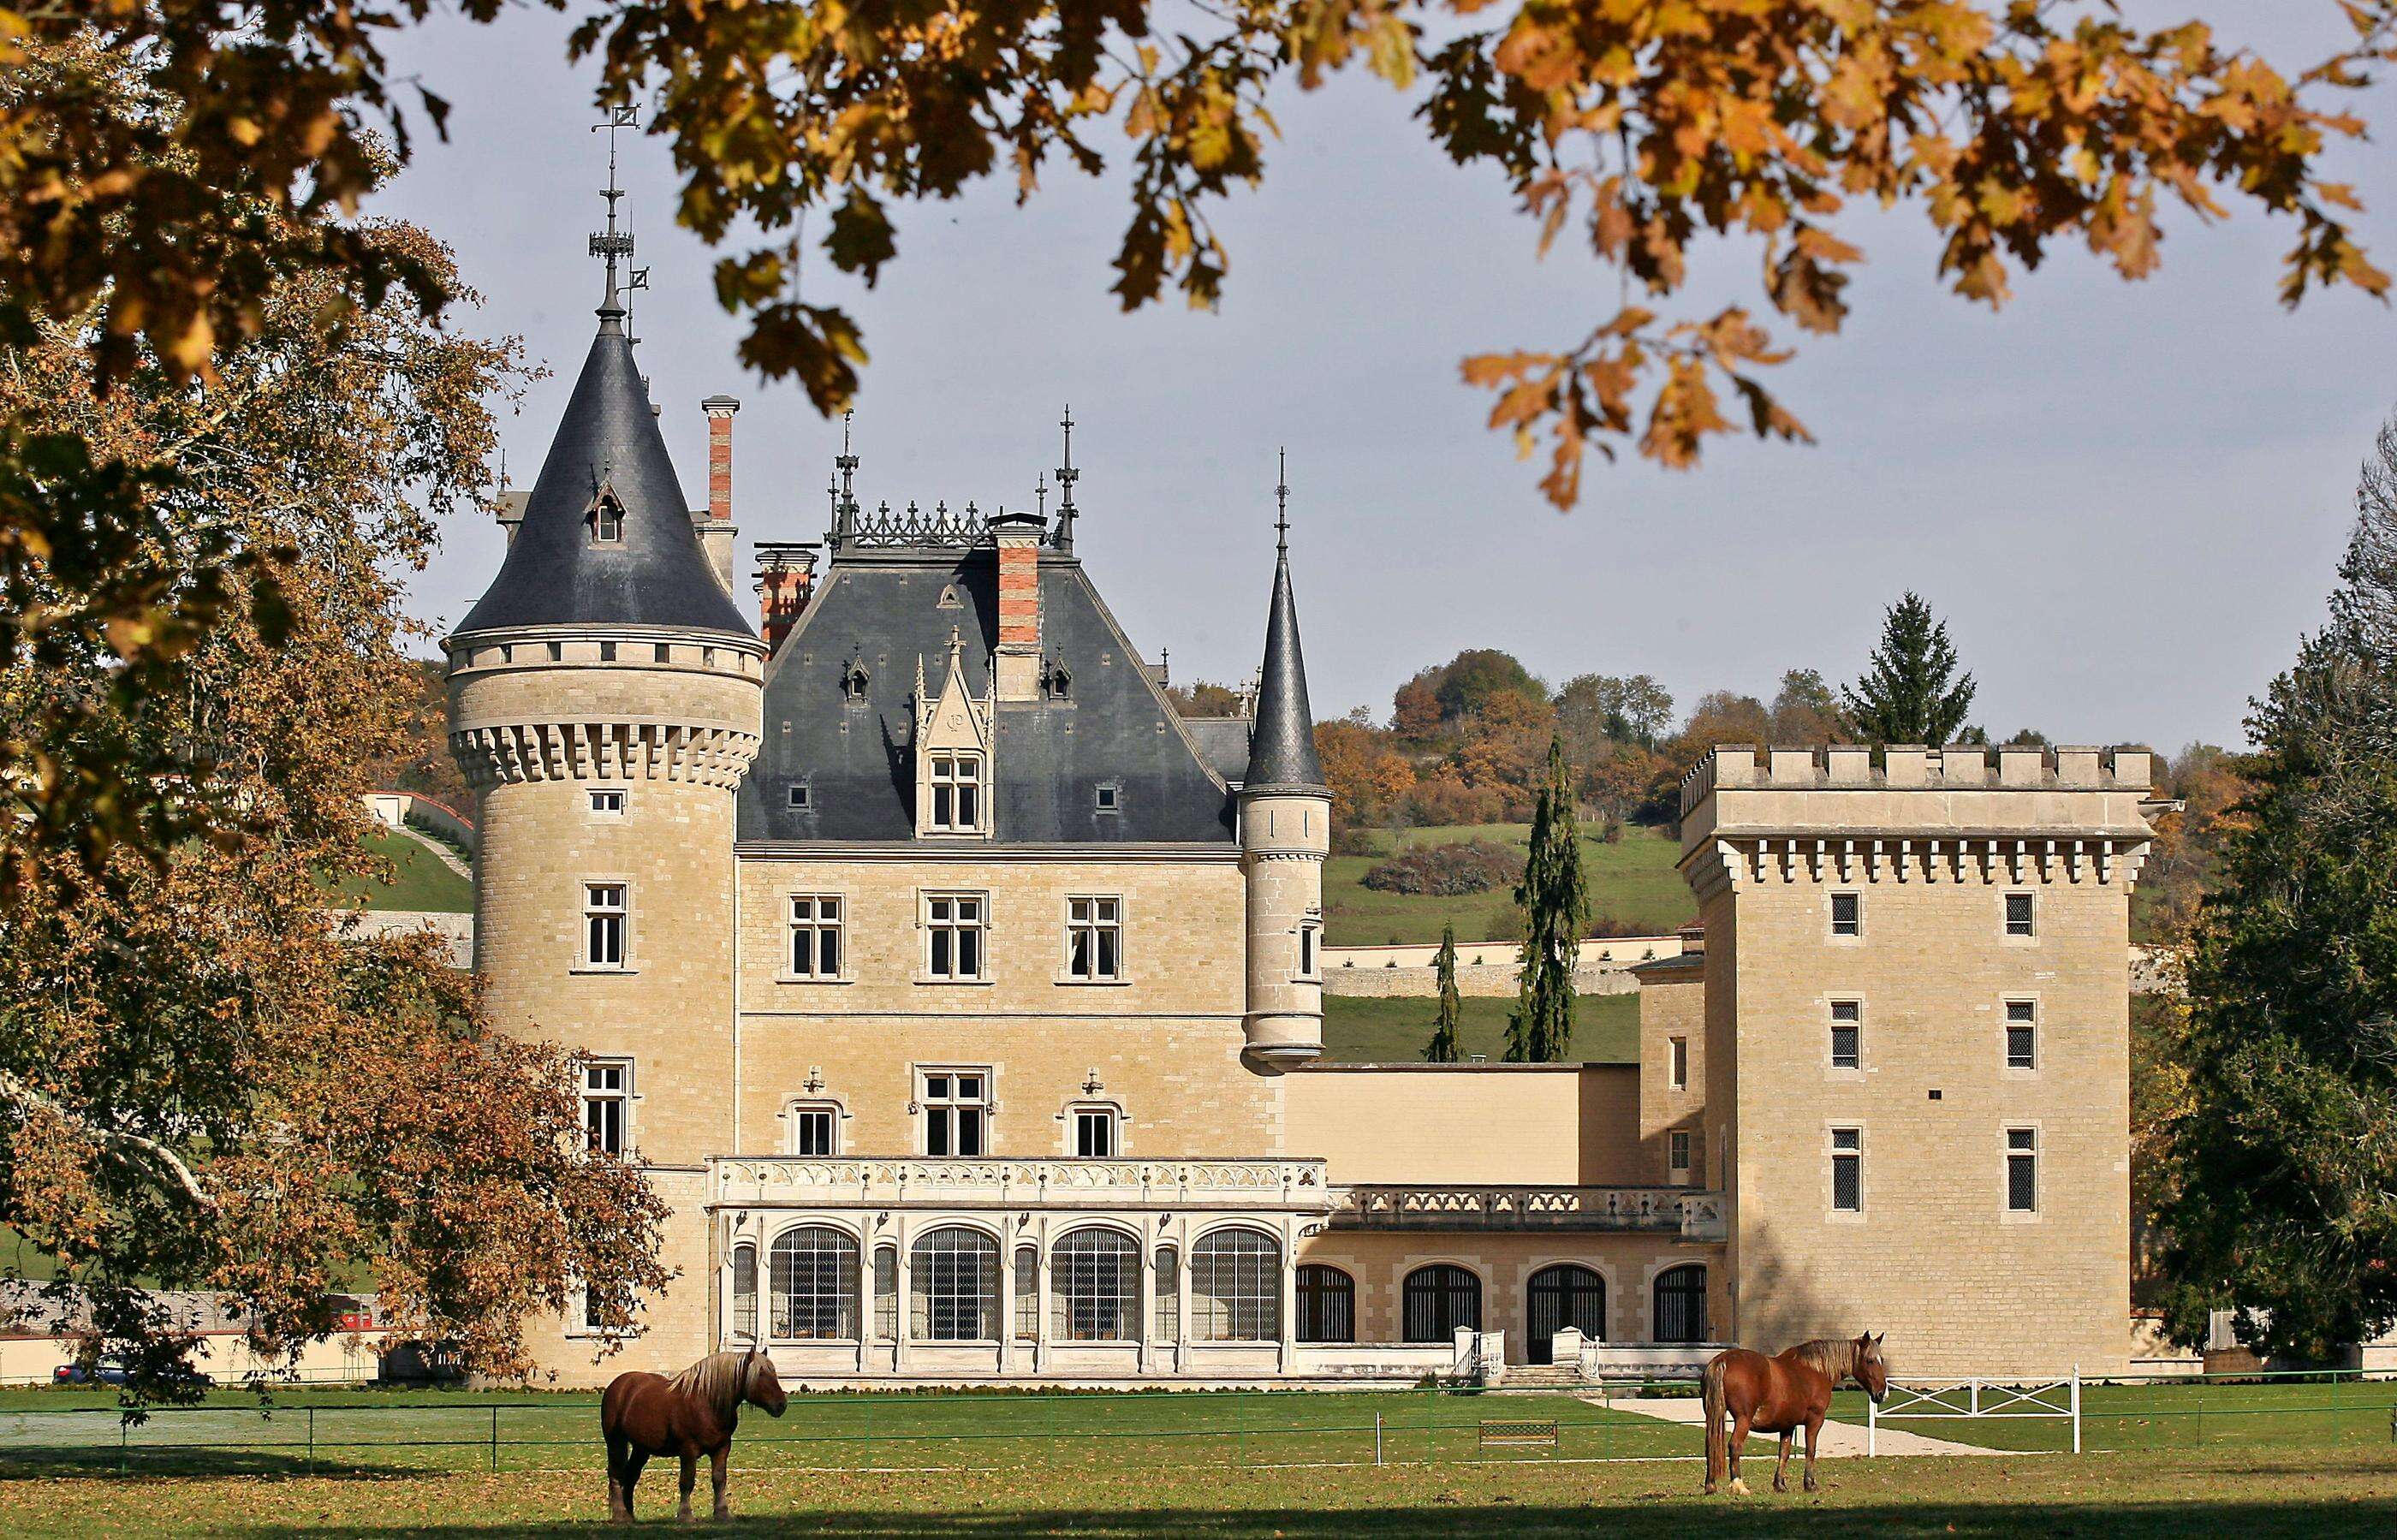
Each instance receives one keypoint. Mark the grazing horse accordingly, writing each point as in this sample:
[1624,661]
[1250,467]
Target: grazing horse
[690,1414]
[1781,1395]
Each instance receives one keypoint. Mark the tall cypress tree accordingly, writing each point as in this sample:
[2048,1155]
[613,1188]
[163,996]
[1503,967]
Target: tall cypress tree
[1441,1050]
[1911,691]
[2282,1154]
[1555,896]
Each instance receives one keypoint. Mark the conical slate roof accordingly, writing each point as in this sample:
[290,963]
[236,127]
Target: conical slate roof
[1281,749]
[555,573]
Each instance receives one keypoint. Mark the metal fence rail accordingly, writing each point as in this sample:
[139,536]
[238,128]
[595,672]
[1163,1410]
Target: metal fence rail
[1971,1399]
[884,1431]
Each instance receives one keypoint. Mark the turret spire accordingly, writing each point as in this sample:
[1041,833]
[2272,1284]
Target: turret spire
[1066,477]
[612,247]
[1282,747]
[1281,508]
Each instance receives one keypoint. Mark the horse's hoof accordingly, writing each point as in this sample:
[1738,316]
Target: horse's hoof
[1711,1489]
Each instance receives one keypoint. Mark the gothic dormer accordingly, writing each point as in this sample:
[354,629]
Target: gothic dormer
[953,754]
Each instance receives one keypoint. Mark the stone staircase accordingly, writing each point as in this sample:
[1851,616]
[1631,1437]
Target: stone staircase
[1542,1376]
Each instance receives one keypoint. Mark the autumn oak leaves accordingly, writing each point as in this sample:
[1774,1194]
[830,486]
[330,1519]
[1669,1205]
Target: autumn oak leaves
[1645,125]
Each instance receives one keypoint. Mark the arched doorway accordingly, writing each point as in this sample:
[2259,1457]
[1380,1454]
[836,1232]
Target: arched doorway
[1681,1304]
[1566,1294]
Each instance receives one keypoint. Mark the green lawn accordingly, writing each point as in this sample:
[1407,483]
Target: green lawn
[2283,1460]
[419,882]
[1365,1029]
[1633,884]
[2282,1497]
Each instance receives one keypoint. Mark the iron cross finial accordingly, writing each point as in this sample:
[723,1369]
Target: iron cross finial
[1281,508]
[612,247]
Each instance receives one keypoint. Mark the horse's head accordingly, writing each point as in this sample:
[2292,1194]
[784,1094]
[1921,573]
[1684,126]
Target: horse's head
[1872,1369]
[761,1386]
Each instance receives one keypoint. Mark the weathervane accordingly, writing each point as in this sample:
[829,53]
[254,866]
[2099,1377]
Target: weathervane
[1281,508]
[1066,477]
[614,246]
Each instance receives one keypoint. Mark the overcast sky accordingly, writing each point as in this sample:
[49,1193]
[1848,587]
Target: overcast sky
[2127,500]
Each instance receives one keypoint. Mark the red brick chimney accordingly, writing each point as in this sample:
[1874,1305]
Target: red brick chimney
[719,409]
[1017,536]
[786,580]
[717,531]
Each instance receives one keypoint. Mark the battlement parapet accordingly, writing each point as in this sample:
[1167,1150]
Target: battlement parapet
[1912,767]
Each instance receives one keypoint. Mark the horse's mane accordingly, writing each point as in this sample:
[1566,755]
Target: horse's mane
[1832,1356]
[717,1381]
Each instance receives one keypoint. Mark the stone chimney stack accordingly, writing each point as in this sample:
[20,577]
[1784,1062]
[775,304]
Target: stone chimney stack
[1017,537]
[717,530]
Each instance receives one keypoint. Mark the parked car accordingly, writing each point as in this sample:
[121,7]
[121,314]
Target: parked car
[114,1371]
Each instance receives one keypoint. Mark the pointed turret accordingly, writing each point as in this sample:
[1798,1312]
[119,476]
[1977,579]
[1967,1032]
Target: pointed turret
[1281,749]
[607,538]
[1285,833]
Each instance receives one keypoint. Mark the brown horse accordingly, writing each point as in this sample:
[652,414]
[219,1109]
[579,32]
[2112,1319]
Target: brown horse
[1782,1395]
[690,1414]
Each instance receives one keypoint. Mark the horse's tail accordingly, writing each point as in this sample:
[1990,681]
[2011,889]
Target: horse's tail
[1710,1392]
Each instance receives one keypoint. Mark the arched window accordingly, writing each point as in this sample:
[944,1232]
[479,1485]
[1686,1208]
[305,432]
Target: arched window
[1564,1295]
[1236,1286]
[1438,1300]
[1327,1304]
[1168,1296]
[886,1294]
[744,1292]
[1681,1304]
[1027,1293]
[1094,1279]
[953,1286]
[814,1273]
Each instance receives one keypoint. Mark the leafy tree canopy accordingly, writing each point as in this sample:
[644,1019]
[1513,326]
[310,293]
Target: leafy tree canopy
[2283,1200]
[138,217]
[202,1082]
[1911,691]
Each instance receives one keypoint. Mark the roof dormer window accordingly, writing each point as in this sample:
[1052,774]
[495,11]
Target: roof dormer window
[607,519]
[954,800]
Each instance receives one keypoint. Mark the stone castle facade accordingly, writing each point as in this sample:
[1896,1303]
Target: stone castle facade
[965,1001]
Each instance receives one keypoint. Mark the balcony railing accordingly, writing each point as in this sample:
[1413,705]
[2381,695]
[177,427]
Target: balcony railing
[800,1179]
[1692,1215]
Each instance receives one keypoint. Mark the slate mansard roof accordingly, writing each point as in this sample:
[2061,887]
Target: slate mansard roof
[555,574]
[881,611]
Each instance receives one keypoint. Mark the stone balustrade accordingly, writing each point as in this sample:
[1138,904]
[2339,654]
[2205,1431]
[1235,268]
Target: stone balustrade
[801,1181]
[1689,1214]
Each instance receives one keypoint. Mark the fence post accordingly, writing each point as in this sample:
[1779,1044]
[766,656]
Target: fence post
[1872,1430]
[495,1439]
[2076,1408]
[1377,1436]
[311,1440]
[124,1440]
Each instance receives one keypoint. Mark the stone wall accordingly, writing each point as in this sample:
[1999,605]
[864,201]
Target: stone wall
[1486,982]
[1562,1124]
[1165,1042]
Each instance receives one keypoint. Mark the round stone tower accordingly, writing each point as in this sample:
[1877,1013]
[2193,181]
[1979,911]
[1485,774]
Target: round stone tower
[605,700]
[1285,833]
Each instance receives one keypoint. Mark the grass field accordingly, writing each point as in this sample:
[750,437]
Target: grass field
[2255,1496]
[2263,1462]
[1633,884]
[1366,1029]
[419,882]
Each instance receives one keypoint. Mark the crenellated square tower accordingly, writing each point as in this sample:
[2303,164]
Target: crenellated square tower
[1917,1041]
